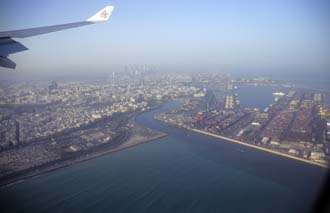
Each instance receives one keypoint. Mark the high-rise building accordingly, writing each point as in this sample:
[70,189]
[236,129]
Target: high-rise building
[17,131]
[52,87]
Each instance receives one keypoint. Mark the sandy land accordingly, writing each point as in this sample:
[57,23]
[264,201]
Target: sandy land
[261,148]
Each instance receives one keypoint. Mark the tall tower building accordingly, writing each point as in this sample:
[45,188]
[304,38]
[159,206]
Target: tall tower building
[17,132]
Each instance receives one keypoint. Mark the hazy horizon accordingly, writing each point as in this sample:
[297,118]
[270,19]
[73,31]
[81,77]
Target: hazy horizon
[237,37]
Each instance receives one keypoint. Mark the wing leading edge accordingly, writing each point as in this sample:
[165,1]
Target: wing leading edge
[10,46]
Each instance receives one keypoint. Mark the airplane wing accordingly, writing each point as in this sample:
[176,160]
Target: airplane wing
[9,46]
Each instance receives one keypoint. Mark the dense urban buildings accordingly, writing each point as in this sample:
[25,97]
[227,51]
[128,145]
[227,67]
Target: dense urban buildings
[54,123]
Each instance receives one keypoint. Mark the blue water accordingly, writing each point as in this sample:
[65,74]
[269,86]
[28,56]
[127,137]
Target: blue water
[183,172]
[258,96]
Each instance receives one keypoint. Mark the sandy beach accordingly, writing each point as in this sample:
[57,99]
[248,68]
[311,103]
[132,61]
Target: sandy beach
[261,148]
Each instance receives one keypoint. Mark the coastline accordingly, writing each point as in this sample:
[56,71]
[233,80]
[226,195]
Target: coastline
[260,148]
[128,143]
[67,163]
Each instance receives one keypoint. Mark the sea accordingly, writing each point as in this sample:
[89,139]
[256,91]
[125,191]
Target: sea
[182,172]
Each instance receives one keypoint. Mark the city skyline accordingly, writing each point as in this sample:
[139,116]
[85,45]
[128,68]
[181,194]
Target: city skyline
[238,129]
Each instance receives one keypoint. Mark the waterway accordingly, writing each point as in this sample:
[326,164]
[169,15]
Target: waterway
[258,96]
[183,172]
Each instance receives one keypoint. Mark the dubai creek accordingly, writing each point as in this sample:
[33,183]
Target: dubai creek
[182,172]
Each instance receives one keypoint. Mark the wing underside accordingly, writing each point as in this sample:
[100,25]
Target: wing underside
[9,46]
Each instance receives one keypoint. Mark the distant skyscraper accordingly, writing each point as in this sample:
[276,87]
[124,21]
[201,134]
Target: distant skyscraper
[17,131]
[142,82]
[52,87]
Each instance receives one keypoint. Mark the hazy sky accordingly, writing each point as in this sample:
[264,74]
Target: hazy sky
[235,36]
